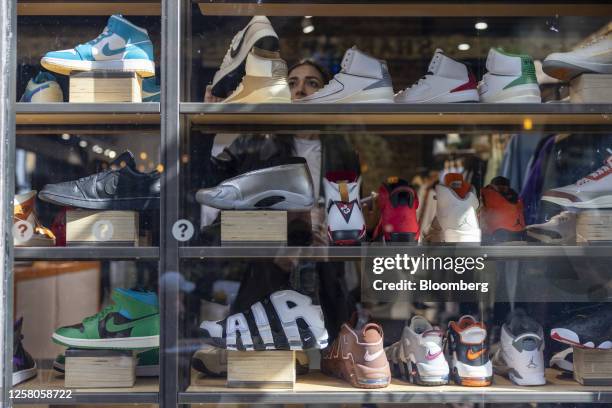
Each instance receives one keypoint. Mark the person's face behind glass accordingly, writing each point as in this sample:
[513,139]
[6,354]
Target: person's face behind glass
[304,80]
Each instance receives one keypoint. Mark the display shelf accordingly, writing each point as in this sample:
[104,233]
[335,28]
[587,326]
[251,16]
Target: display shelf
[87,114]
[145,391]
[73,253]
[317,388]
[523,252]
[400,117]
[364,8]
[89,8]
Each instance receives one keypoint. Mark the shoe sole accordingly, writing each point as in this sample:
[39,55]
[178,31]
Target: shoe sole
[272,91]
[545,236]
[229,77]
[377,95]
[416,378]
[200,366]
[600,202]
[346,237]
[567,70]
[529,93]
[126,343]
[144,68]
[352,378]
[24,375]
[143,203]
[467,96]
[558,335]
[276,199]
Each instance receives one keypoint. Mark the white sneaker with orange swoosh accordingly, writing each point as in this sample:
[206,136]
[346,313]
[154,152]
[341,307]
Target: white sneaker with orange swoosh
[469,353]
[418,357]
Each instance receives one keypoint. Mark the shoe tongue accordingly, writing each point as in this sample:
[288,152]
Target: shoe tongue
[126,157]
[372,333]
[435,61]
[502,186]
[456,182]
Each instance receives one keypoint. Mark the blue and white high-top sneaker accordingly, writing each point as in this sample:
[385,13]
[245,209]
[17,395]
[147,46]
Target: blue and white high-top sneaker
[150,90]
[42,88]
[122,46]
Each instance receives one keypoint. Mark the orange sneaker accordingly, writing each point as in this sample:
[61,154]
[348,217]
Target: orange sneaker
[501,213]
[24,211]
[469,353]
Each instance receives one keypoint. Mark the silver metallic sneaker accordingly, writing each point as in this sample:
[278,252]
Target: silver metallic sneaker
[284,187]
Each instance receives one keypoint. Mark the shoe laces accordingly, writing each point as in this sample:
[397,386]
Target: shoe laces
[594,41]
[104,34]
[100,314]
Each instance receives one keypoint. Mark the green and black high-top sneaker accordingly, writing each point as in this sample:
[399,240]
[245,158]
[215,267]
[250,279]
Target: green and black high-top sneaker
[511,78]
[131,322]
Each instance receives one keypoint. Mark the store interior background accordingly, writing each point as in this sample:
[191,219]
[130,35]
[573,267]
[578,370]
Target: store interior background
[406,43]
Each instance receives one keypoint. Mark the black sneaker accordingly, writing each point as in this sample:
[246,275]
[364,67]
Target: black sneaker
[24,366]
[592,330]
[122,187]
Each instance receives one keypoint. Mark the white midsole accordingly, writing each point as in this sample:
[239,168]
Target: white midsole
[142,66]
[603,201]
[269,94]
[468,371]
[123,343]
[376,95]
[527,93]
[23,375]
[451,235]
[602,68]
[469,95]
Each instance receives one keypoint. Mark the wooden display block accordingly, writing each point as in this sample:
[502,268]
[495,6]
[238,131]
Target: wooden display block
[253,228]
[591,88]
[99,368]
[105,87]
[594,225]
[261,369]
[593,366]
[105,228]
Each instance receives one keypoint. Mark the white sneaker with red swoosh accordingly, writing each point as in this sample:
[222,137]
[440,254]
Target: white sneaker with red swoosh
[591,192]
[418,356]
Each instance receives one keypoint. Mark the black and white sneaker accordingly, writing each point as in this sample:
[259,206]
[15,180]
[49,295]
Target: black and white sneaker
[24,366]
[286,320]
[257,33]
[592,330]
[122,187]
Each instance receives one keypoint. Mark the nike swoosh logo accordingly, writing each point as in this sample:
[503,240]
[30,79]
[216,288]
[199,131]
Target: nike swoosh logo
[372,357]
[27,95]
[106,50]
[471,355]
[234,51]
[113,328]
[430,356]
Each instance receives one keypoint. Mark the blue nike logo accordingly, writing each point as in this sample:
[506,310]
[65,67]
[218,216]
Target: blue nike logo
[27,95]
[108,52]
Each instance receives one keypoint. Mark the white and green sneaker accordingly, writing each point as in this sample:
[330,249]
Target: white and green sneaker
[511,78]
[130,323]
[146,366]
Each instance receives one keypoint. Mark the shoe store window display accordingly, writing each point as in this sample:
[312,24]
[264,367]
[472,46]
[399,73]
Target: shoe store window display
[284,160]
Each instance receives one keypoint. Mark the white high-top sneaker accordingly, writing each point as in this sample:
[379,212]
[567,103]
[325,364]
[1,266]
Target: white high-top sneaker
[265,80]
[345,222]
[456,208]
[594,57]
[446,81]
[32,233]
[591,192]
[560,229]
[363,79]
[510,79]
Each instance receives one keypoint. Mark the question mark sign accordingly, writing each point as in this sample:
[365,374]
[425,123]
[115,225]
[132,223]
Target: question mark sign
[22,231]
[22,228]
[182,230]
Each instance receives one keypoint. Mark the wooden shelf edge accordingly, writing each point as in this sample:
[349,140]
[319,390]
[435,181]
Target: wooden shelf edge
[93,8]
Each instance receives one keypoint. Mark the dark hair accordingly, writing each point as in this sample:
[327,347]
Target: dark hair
[324,73]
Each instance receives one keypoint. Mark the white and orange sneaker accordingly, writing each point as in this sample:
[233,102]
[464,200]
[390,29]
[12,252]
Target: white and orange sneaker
[456,212]
[345,222]
[469,353]
[591,192]
[24,212]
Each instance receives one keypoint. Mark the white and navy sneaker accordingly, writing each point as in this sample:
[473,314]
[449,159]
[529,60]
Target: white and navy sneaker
[122,47]
[257,33]
[43,88]
[418,357]
[446,81]
[150,90]
[589,330]
[520,355]
[345,222]
[363,79]
[286,320]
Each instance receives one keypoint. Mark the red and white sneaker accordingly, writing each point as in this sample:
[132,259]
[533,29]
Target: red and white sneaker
[398,203]
[345,222]
[591,192]
[446,81]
